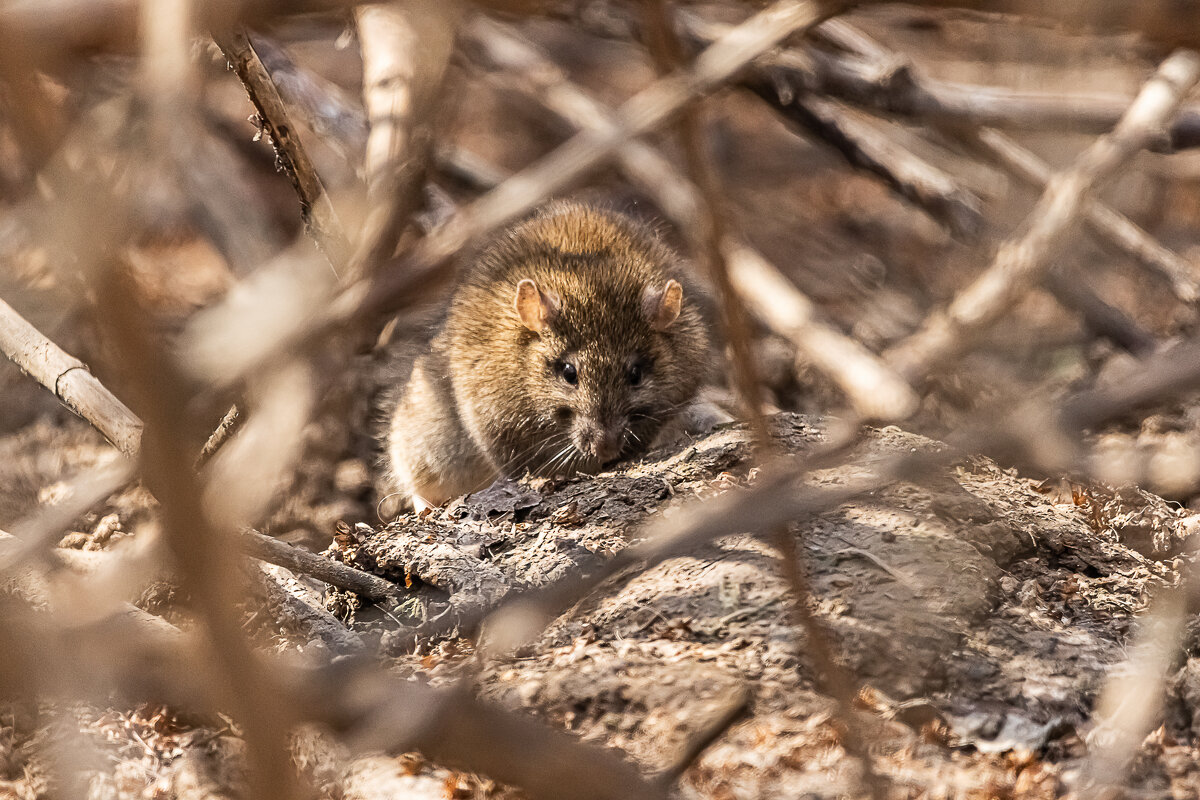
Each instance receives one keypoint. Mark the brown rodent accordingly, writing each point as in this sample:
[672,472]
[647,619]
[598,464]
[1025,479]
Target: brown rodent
[569,343]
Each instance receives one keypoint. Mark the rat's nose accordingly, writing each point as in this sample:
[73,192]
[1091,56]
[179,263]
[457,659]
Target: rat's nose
[601,442]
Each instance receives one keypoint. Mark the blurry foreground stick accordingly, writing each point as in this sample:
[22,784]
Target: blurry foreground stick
[1022,260]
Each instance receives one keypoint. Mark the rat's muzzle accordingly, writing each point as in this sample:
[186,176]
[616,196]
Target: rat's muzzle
[601,443]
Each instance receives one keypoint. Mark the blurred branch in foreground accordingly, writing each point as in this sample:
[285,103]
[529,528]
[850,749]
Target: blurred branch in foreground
[1021,260]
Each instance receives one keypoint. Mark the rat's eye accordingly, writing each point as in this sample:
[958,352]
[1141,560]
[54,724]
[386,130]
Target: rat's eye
[567,371]
[634,374]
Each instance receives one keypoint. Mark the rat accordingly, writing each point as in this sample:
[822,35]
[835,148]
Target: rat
[569,344]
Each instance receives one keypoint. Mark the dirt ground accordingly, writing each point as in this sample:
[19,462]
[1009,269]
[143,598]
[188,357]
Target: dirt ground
[981,610]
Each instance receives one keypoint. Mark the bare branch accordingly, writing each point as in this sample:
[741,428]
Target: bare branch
[863,145]
[318,212]
[1021,260]
[69,379]
[343,576]
[80,391]
[1107,224]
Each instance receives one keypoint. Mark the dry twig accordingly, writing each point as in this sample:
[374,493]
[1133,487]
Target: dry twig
[406,48]
[1020,261]
[80,391]
[69,379]
[317,209]
[889,82]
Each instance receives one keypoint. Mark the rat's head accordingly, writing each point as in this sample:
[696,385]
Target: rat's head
[607,361]
[591,346]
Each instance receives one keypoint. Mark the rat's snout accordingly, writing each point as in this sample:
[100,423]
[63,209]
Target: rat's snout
[600,441]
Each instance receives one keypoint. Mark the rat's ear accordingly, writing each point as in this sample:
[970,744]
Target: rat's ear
[537,309]
[661,304]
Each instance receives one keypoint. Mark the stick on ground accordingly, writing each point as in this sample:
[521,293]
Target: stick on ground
[69,379]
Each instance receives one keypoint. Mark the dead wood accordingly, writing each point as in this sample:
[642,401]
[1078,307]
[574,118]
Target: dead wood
[226,428]
[78,27]
[897,91]
[423,551]
[301,610]
[865,145]
[80,391]
[69,379]
[406,49]
[886,81]
[882,73]
[316,208]
[195,537]
[1170,23]
[786,81]
[1023,258]
[1070,288]
[273,551]
[1164,375]
[325,107]
[1106,224]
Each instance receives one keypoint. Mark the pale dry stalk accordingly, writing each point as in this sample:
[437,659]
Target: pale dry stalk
[406,48]
[69,379]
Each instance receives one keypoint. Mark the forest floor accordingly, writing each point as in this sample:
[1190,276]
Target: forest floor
[981,611]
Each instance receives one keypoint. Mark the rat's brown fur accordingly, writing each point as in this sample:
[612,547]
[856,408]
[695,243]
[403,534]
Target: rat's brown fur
[490,397]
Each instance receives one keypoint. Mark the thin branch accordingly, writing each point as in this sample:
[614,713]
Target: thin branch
[881,73]
[226,428]
[865,146]
[328,111]
[69,379]
[334,573]
[897,91]
[406,49]
[1069,288]
[80,391]
[1107,224]
[1166,374]
[1022,260]
[886,81]
[319,215]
